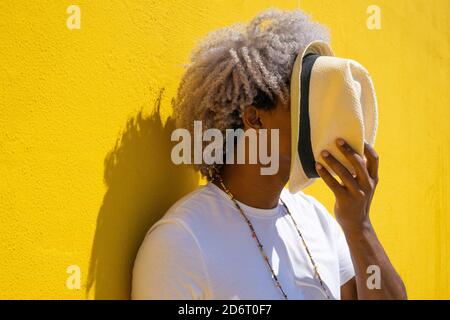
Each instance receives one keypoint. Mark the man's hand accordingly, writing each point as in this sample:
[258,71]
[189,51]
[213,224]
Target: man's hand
[354,196]
[353,199]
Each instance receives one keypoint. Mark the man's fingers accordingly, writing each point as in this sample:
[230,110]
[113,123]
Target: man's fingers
[355,160]
[331,182]
[372,160]
[340,170]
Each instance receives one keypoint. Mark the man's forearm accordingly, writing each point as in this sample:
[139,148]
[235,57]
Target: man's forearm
[366,250]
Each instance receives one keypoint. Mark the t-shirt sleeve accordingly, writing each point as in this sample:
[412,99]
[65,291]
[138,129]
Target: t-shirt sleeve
[169,265]
[346,269]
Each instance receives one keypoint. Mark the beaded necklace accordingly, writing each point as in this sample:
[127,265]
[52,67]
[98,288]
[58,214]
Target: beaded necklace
[260,246]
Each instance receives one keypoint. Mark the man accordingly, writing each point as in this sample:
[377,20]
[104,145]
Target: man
[242,235]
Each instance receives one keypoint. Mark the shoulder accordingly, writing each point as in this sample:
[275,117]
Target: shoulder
[197,204]
[191,214]
[167,239]
[170,255]
[169,264]
[173,229]
[193,201]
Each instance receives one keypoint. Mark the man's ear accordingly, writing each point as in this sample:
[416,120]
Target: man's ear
[252,117]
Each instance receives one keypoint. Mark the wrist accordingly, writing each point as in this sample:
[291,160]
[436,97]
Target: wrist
[358,229]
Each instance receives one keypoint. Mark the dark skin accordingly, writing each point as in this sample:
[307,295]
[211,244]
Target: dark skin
[353,197]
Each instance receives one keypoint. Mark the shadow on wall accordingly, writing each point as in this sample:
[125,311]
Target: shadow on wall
[142,184]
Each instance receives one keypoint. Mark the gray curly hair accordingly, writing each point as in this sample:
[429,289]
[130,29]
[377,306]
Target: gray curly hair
[241,65]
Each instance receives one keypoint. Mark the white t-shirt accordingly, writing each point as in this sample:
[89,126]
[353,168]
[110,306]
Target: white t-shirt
[202,248]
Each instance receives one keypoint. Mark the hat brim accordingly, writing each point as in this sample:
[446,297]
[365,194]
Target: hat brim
[297,178]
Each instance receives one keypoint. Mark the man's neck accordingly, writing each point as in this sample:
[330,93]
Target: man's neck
[250,187]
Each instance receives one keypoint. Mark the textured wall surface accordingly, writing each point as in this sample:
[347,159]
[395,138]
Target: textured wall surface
[85,124]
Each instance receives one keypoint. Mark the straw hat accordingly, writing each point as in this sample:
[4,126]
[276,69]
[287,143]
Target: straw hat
[330,97]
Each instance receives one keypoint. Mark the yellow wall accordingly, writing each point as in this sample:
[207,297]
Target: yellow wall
[84,128]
